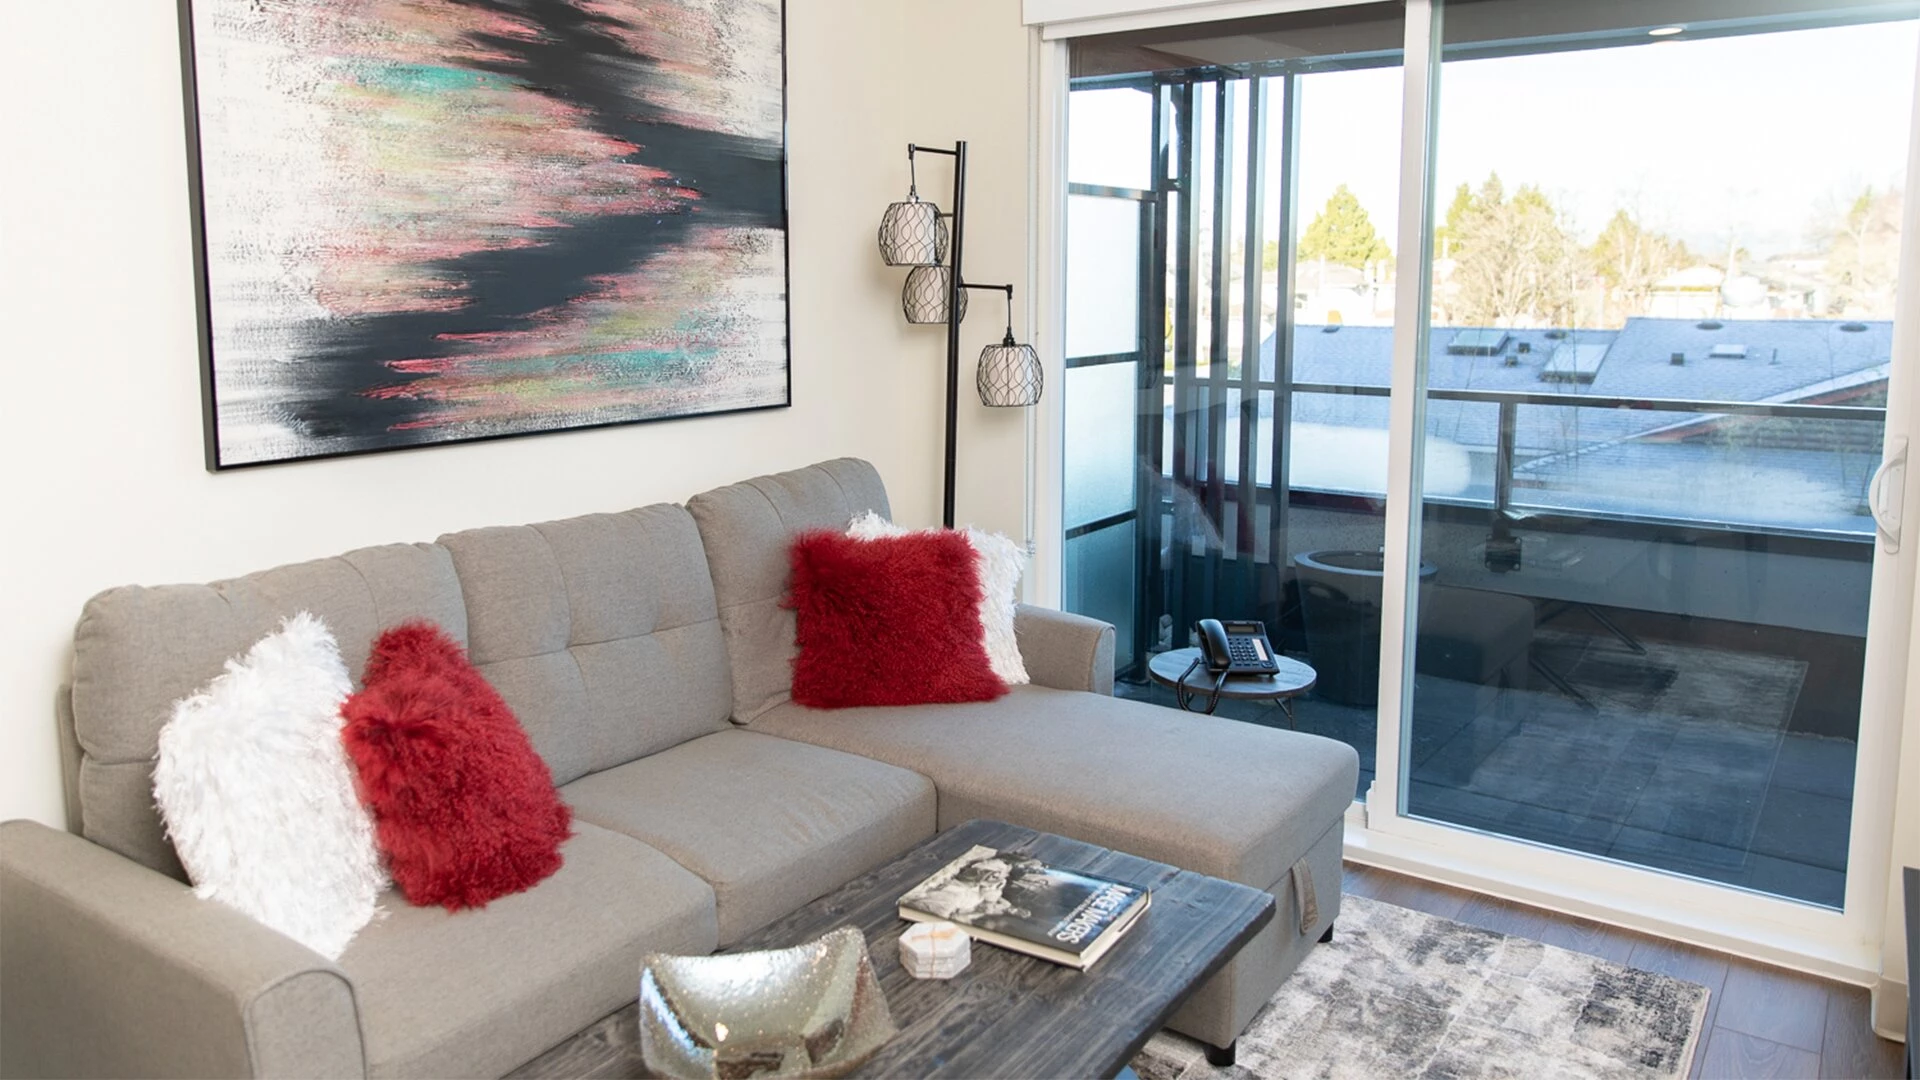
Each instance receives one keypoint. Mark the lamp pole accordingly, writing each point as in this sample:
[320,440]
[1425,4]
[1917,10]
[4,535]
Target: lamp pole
[955,284]
[953,326]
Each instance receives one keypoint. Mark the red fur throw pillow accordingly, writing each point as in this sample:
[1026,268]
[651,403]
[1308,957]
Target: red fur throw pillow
[891,621]
[462,804]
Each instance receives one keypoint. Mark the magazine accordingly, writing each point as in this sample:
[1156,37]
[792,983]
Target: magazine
[1020,903]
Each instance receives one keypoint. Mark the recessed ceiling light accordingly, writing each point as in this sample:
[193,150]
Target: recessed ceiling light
[1666,31]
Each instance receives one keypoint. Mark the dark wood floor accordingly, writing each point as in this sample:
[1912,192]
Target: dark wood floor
[1761,1021]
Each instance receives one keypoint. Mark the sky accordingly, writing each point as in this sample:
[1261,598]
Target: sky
[1753,138]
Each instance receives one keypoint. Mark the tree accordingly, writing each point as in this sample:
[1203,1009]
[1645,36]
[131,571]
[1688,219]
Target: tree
[1863,255]
[1514,263]
[1630,259]
[1342,233]
[1447,235]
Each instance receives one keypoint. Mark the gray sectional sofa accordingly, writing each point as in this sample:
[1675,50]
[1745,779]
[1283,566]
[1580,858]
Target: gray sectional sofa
[647,655]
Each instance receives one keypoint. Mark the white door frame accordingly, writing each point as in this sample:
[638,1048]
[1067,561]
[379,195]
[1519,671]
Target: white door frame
[1045,580]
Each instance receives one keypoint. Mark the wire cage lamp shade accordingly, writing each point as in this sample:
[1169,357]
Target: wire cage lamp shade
[925,295]
[1009,373]
[912,234]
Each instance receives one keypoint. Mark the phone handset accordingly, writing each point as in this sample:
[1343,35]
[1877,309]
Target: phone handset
[1236,647]
[1216,656]
[1213,646]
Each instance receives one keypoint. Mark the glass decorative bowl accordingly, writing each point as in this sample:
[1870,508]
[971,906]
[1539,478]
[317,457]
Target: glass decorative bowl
[812,1010]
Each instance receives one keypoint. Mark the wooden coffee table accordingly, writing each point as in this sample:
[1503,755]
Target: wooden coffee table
[1007,1014]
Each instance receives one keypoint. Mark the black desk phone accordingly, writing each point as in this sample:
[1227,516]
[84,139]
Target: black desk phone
[1235,648]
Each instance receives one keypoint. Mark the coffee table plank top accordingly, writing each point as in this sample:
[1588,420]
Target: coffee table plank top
[1009,1014]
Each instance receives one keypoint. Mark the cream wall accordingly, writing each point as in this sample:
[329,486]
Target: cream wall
[972,84]
[101,424]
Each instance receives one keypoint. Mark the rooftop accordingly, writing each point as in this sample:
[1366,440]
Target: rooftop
[1784,361]
[1690,466]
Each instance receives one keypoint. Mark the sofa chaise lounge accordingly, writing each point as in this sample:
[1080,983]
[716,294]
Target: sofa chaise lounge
[648,656]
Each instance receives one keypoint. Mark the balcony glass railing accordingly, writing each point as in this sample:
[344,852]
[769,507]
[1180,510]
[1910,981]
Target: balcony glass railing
[1801,469]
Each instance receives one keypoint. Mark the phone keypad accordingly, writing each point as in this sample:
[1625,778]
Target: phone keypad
[1245,651]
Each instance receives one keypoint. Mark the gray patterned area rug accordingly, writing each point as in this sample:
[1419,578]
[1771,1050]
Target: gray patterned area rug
[1400,993]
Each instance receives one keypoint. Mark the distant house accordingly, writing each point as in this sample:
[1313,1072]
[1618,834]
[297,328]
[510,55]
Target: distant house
[1693,293]
[1338,294]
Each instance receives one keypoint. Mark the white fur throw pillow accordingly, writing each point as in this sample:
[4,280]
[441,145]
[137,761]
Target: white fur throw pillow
[258,796]
[1000,561]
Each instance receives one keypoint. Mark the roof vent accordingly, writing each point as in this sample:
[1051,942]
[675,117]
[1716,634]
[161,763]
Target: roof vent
[1574,363]
[1853,327]
[1555,335]
[1678,359]
[1726,351]
[1709,324]
[1478,343]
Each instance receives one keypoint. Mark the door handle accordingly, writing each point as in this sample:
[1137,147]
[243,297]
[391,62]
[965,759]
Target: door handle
[1886,492]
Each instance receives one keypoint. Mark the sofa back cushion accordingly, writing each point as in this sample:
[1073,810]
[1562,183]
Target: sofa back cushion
[747,529]
[600,632]
[139,649]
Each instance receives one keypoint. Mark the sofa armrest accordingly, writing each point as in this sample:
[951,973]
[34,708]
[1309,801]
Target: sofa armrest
[115,970]
[1063,650]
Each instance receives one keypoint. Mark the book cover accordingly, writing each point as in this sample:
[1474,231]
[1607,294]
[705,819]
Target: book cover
[1021,903]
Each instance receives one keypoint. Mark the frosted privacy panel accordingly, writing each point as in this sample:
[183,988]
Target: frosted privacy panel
[1103,275]
[1110,138]
[1100,581]
[1100,402]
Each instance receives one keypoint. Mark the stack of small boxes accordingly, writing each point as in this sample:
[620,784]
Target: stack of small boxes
[934,950]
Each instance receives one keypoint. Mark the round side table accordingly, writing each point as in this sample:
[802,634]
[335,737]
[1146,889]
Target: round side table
[1293,679]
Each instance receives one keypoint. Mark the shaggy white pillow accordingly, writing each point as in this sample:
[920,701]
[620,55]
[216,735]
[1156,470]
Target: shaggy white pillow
[1000,561]
[258,796]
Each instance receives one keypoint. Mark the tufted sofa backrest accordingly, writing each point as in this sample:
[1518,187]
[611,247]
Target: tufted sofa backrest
[138,649]
[600,632]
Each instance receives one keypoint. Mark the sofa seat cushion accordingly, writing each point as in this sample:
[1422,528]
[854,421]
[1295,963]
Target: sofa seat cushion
[1226,798]
[477,992]
[770,824]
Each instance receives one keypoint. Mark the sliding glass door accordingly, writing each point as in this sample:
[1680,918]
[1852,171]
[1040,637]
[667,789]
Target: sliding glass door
[1626,358]
[1657,361]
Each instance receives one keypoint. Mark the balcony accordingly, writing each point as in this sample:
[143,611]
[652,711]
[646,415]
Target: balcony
[1644,631]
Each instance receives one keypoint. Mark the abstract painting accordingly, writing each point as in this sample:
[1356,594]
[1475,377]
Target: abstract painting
[427,221]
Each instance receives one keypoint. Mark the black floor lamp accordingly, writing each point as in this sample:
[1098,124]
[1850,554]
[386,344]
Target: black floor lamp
[914,233]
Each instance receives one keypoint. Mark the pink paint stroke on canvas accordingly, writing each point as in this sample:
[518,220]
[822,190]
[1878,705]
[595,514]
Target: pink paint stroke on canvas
[679,322]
